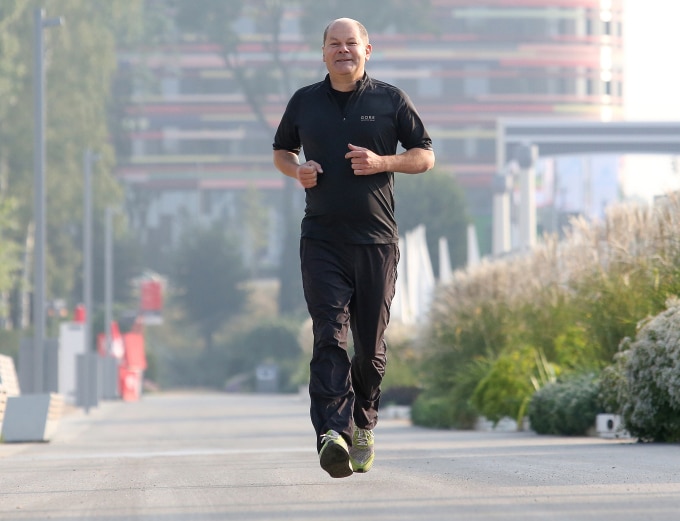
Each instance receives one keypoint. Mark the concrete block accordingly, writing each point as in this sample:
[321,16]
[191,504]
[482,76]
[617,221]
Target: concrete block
[610,426]
[32,417]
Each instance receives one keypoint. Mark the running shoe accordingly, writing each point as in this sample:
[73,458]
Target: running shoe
[334,455]
[361,453]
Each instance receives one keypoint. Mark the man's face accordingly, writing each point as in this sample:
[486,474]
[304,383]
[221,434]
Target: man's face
[345,52]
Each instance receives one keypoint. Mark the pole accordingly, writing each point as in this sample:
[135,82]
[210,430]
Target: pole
[39,205]
[88,159]
[108,277]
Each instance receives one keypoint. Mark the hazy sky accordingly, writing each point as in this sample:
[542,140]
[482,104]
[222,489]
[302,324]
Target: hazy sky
[652,40]
[652,86]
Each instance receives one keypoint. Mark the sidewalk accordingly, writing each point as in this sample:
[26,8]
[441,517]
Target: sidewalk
[198,456]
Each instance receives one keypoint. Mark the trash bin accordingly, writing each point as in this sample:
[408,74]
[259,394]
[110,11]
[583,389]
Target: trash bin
[132,367]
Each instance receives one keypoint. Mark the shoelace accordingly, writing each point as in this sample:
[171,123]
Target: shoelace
[327,436]
[363,437]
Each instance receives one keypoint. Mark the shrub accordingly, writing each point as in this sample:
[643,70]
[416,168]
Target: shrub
[503,390]
[442,412]
[271,341]
[574,299]
[645,381]
[452,409]
[567,407]
[400,395]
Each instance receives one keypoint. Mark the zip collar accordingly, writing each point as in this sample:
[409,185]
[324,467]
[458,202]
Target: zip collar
[360,84]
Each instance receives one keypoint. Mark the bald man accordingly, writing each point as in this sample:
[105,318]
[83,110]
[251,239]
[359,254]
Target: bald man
[349,127]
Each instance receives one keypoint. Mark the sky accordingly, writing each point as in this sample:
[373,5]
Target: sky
[652,86]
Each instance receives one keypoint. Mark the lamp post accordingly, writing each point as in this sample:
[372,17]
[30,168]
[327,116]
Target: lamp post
[40,22]
[88,159]
[108,277]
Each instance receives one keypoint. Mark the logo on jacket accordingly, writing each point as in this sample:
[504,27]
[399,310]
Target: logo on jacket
[367,118]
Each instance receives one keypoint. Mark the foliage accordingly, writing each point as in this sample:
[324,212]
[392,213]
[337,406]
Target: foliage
[217,23]
[437,201]
[256,220]
[9,344]
[398,15]
[445,400]
[508,385]
[10,261]
[573,300]
[206,279]
[437,412]
[613,384]
[80,61]
[239,348]
[402,381]
[568,407]
[644,382]
[273,342]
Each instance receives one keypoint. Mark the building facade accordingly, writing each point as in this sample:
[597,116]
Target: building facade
[193,141]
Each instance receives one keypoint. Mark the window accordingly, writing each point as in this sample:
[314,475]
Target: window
[476,81]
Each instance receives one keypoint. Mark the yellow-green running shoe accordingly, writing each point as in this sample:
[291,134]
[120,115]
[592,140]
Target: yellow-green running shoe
[334,455]
[361,453]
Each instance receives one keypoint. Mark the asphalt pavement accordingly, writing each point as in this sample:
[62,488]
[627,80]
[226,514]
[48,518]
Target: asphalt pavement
[210,456]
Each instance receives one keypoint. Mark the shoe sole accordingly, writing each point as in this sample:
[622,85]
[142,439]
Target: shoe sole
[361,469]
[335,460]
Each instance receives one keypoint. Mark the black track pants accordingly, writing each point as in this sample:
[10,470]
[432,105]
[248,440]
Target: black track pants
[347,286]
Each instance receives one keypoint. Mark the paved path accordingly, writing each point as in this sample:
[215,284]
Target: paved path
[177,457]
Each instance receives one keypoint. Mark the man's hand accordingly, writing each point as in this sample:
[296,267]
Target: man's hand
[364,161]
[307,172]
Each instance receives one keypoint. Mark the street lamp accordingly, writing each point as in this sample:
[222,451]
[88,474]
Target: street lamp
[40,23]
[108,275]
[88,159]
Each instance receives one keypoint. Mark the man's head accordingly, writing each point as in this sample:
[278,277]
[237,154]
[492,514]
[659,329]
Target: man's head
[345,50]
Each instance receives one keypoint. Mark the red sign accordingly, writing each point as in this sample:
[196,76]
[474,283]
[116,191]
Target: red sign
[151,293]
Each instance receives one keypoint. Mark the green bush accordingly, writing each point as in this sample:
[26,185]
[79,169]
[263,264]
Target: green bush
[644,383]
[273,341]
[400,395]
[574,299]
[507,386]
[441,412]
[9,343]
[232,361]
[567,407]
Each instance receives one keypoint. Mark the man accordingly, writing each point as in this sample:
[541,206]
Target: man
[349,126]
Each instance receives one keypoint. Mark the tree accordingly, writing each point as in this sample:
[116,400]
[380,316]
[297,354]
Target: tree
[255,223]
[207,276]
[10,261]
[397,15]
[435,200]
[80,60]
[216,23]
